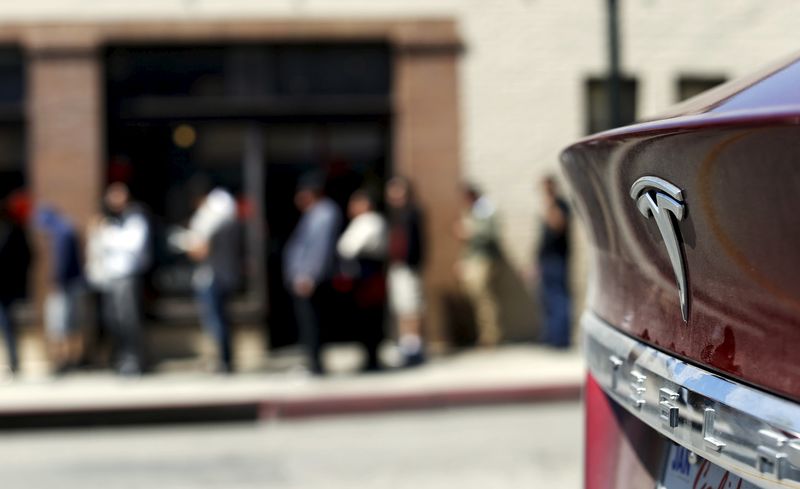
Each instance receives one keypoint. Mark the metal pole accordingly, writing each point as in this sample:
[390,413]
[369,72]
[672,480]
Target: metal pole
[614,82]
[254,172]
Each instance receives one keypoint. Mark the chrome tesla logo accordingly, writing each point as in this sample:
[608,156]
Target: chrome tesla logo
[664,201]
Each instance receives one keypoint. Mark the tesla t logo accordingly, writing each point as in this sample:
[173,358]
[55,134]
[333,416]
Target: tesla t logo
[664,202]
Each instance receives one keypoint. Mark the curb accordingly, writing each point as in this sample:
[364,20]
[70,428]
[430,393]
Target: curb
[361,404]
[271,409]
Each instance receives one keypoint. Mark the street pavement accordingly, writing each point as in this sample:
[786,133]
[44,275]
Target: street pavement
[280,389]
[537,445]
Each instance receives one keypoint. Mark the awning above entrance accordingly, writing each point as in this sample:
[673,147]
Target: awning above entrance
[253,107]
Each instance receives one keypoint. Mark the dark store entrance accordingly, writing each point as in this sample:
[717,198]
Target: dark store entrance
[352,154]
[12,121]
[253,119]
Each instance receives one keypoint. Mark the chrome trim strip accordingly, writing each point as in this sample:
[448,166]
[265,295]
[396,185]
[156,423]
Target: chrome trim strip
[749,432]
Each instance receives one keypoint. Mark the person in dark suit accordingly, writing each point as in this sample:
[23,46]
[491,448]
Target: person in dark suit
[309,261]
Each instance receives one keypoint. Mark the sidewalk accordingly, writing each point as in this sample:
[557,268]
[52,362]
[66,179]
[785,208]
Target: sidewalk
[509,374]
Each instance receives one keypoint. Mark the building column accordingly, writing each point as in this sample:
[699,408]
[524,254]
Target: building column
[64,126]
[64,148]
[427,151]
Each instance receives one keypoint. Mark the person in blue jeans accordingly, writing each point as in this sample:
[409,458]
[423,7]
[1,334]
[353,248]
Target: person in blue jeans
[212,242]
[9,328]
[553,258]
[212,297]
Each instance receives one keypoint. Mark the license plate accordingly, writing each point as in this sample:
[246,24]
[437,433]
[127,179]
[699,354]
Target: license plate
[681,473]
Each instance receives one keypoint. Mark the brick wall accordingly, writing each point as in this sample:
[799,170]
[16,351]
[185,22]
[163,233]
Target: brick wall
[427,150]
[65,130]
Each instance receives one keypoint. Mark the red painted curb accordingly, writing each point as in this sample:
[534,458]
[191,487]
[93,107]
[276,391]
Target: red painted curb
[316,406]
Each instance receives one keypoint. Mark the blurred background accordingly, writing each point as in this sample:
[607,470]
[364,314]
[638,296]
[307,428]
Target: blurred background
[254,95]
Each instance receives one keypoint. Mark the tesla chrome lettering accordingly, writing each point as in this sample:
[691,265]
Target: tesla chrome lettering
[638,389]
[711,441]
[667,403]
[662,200]
[753,434]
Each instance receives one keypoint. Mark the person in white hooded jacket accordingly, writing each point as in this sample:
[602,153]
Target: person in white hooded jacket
[118,254]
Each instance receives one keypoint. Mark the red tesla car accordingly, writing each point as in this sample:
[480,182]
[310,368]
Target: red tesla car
[692,327]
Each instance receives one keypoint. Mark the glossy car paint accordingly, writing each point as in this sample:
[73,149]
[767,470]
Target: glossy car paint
[736,155]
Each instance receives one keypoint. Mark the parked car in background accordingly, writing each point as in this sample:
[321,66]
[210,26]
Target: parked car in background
[692,327]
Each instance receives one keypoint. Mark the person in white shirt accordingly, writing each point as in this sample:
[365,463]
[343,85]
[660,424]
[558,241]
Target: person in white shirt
[212,242]
[365,236]
[118,254]
[362,248]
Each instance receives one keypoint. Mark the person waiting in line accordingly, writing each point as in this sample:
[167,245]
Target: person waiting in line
[362,248]
[406,251]
[118,255]
[478,231]
[552,257]
[309,261]
[62,324]
[212,242]
[15,260]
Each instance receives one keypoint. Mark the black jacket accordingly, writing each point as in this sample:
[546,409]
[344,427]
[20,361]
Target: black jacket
[406,237]
[15,259]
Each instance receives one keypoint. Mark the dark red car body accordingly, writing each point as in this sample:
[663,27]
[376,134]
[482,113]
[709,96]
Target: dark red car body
[735,154]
